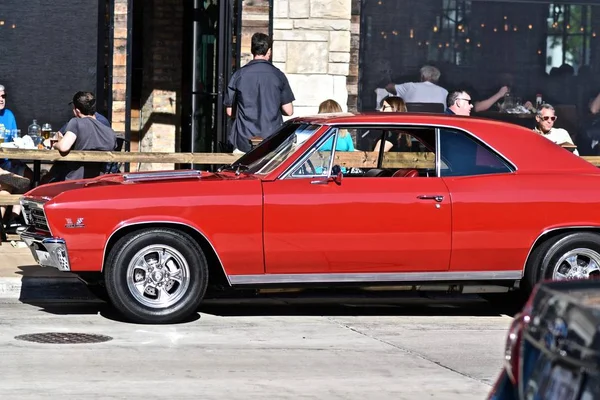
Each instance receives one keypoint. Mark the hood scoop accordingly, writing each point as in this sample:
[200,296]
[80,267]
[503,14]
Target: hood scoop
[162,176]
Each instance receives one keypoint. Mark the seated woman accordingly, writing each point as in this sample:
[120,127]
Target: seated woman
[344,141]
[402,142]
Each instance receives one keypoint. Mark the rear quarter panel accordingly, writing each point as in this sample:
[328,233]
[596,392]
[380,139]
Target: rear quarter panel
[228,213]
[496,219]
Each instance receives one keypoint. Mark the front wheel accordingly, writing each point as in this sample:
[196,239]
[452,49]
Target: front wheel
[156,276]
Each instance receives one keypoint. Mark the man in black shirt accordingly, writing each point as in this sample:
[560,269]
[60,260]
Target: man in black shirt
[257,96]
[83,132]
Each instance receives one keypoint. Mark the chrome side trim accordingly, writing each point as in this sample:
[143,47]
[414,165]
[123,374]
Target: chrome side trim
[374,277]
[158,176]
[438,156]
[166,223]
[535,242]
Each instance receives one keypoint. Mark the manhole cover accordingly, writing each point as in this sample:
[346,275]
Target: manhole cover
[63,338]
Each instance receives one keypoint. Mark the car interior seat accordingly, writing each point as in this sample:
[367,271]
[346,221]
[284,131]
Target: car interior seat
[378,172]
[406,173]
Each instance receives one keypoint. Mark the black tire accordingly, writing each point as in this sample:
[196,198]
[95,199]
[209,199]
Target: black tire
[546,255]
[138,307]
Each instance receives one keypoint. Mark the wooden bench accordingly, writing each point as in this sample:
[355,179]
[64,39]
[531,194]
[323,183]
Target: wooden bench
[361,159]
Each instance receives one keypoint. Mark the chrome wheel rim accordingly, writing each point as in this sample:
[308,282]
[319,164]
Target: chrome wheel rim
[158,276]
[577,264]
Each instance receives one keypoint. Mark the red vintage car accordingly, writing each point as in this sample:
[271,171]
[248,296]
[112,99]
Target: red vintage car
[457,203]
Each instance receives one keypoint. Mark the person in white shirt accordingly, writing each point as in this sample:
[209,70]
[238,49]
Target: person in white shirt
[545,118]
[426,91]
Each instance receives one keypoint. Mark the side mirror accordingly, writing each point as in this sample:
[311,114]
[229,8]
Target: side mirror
[336,174]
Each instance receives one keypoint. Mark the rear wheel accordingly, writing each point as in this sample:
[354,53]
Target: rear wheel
[574,255]
[156,276]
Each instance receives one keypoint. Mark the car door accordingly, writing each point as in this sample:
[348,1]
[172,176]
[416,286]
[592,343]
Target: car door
[367,223]
[493,228]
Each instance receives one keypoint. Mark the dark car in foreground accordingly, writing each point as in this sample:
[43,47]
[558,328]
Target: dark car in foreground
[553,345]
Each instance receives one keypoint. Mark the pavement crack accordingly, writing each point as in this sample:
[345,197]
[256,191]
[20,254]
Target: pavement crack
[405,350]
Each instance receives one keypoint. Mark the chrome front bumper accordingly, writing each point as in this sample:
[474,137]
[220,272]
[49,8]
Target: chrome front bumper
[47,251]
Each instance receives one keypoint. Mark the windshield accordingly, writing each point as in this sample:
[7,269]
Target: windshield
[272,152]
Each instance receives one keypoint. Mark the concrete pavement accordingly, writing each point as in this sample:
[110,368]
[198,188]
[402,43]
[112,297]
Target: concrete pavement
[262,352]
[21,277]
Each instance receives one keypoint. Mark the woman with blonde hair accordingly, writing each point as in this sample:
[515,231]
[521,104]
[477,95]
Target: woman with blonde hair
[344,141]
[394,104]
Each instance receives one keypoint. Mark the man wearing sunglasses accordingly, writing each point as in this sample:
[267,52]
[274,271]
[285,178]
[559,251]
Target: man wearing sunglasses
[7,118]
[15,176]
[545,119]
[459,103]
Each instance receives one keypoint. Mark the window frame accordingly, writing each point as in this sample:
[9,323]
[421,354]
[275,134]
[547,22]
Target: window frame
[438,158]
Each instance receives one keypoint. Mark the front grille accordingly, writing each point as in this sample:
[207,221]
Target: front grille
[34,215]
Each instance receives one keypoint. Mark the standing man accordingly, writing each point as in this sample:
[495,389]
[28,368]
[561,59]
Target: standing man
[257,96]
[83,132]
[545,118]
[459,103]
[426,91]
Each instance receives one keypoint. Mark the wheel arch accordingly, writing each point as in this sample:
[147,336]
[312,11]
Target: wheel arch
[554,232]
[216,270]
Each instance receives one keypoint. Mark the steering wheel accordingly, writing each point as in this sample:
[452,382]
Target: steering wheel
[309,168]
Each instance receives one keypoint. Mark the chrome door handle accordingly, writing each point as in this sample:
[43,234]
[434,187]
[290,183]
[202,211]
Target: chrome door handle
[435,197]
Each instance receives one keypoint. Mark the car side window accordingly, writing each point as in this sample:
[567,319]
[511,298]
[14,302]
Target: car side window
[319,158]
[462,155]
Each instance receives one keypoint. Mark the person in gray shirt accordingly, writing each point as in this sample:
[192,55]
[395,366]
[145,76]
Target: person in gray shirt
[83,132]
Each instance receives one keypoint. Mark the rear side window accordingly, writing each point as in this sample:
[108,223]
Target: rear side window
[463,156]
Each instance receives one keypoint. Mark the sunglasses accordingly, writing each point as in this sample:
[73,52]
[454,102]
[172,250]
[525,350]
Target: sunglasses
[467,100]
[547,117]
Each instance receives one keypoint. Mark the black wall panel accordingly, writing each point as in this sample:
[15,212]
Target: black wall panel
[48,51]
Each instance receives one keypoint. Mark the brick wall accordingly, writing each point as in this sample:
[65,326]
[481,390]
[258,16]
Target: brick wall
[255,18]
[161,90]
[119,71]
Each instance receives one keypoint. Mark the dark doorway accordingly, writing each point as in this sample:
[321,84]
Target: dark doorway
[211,54]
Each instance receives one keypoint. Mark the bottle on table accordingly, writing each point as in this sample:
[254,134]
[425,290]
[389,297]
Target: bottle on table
[538,101]
[34,131]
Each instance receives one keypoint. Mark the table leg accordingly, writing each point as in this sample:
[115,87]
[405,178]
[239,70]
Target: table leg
[37,171]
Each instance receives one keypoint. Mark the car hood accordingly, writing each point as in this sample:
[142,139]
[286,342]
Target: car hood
[49,191]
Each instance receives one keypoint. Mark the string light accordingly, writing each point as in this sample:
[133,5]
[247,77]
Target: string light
[530,26]
[1,23]
[14,26]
